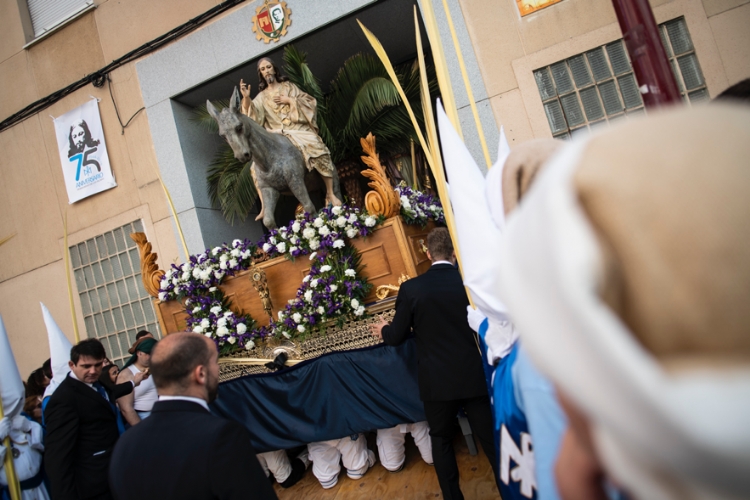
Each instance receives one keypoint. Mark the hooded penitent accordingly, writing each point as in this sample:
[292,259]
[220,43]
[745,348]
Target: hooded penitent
[635,245]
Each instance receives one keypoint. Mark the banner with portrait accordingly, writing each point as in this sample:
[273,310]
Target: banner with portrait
[83,152]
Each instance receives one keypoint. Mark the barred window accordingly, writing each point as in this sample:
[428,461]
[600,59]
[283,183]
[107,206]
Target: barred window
[108,277]
[599,86]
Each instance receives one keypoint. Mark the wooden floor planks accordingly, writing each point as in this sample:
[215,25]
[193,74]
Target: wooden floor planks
[417,481]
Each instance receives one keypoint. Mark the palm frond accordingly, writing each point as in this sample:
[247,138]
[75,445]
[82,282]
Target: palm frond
[230,185]
[296,68]
[205,120]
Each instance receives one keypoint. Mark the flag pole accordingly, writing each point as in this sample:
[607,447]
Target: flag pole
[70,285]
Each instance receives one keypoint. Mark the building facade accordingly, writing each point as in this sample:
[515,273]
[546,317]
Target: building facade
[538,70]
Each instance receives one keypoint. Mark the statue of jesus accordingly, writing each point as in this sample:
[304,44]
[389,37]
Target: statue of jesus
[281,107]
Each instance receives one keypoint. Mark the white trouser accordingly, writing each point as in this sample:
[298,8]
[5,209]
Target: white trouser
[277,462]
[326,455]
[391,444]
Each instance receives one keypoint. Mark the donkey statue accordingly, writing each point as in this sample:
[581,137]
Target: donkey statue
[279,165]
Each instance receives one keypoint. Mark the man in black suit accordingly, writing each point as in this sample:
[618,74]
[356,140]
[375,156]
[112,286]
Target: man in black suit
[81,428]
[181,450]
[450,372]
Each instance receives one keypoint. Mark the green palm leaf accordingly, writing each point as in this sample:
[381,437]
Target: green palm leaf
[231,186]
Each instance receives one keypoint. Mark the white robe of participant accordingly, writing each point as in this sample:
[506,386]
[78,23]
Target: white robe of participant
[327,455]
[391,441]
[27,439]
[276,463]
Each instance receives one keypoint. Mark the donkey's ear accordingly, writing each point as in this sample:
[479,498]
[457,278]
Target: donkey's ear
[212,111]
[235,102]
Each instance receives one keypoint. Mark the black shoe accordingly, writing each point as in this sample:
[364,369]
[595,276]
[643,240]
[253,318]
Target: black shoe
[298,472]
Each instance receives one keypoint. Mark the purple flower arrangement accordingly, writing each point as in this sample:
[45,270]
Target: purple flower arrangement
[332,290]
[418,208]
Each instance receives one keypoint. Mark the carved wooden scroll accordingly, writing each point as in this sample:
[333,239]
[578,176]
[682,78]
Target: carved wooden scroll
[150,272]
[383,199]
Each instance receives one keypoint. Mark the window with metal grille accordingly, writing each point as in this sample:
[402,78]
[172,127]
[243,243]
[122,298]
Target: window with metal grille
[115,304]
[599,86]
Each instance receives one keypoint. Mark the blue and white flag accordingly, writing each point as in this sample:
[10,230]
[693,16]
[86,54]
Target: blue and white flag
[83,152]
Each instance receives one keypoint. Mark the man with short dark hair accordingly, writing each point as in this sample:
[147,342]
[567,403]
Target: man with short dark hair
[81,428]
[451,375]
[181,450]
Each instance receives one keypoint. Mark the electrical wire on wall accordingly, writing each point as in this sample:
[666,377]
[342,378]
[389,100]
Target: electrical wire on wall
[98,78]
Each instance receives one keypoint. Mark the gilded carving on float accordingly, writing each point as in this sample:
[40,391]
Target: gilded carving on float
[150,272]
[383,200]
[260,282]
[382,291]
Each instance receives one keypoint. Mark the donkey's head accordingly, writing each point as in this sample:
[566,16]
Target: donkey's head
[233,127]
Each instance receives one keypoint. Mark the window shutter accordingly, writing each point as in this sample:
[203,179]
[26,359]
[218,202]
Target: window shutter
[630,93]
[611,100]
[618,58]
[555,116]
[572,109]
[46,14]
[691,72]
[562,77]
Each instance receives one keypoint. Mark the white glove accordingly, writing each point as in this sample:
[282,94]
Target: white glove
[4,428]
[21,423]
[475,318]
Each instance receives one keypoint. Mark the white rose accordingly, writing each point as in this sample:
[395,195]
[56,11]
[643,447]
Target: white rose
[223,265]
[224,257]
[306,279]
[227,314]
[196,272]
[355,303]
[360,311]
[215,309]
[350,272]
[341,221]
[175,281]
[324,231]
[314,283]
[352,218]
[215,251]
[281,247]
[336,210]
[308,295]
[218,275]
[318,222]
[297,317]
[231,340]
[301,328]
[232,262]
[222,321]
[236,243]
[352,233]
[272,239]
[205,275]
[205,323]
[312,255]
[249,345]
[177,290]
[293,249]
[321,310]
[333,288]
[295,227]
[325,268]
[370,221]
[163,296]
[285,334]
[266,247]
[281,315]
[241,328]
[293,240]
[212,289]
[338,244]
[196,309]
[309,233]
[314,244]
[198,329]
[235,253]
[222,331]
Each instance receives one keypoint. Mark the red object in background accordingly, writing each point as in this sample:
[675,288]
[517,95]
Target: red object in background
[650,62]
